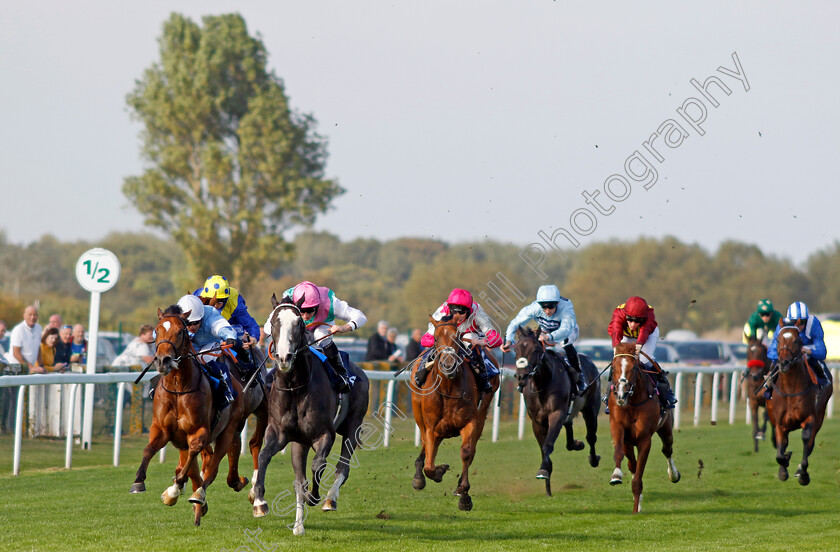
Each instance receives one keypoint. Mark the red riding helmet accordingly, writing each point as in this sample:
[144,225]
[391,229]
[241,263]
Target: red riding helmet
[636,307]
[460,297]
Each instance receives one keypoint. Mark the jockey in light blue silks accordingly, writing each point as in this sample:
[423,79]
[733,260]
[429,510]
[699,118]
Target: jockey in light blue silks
[811,334]
[207,329]
[556,317]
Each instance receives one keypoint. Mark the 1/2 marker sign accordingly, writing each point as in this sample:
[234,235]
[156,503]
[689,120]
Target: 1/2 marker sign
[97,270]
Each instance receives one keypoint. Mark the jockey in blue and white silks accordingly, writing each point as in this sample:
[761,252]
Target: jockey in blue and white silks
[556,317]
[812,336]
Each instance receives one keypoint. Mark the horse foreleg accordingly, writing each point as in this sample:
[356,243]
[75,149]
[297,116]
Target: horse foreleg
[430,470]
[419,481]
[345,460]
[644,450]
[157,440]
[590,418]
[234,480]
[299,454]
[322,447]
[809,435]
[255,444]
[756,433]
[555,424]
[617,434]
[666,434]
[469,440]
[274,442]
[782,457]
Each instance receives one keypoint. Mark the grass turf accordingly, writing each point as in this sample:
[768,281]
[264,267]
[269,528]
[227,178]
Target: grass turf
[733,502]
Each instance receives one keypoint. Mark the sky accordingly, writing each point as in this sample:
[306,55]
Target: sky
[465,120]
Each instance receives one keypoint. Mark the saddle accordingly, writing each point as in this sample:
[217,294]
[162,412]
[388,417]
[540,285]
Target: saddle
[335,381]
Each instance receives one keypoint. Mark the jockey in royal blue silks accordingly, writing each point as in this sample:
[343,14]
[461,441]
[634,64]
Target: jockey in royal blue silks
[231,305]
[811,334]
[556,317]
[207,329]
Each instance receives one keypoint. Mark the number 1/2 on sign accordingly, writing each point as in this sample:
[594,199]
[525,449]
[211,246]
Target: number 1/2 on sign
[103,272]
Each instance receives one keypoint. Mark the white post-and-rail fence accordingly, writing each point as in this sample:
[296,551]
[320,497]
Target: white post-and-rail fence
[124,378]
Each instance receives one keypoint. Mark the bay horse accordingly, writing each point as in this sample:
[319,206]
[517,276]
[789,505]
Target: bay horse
[758,366]
[795,402]
[632,424]
[546,387]
[302,410]
[449,404]
[183,415]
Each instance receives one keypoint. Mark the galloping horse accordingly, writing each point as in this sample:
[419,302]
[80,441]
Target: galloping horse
[184,415]
[449,405]
[757,367]
[303,410]
[632,424]
[546,387]
[795,403]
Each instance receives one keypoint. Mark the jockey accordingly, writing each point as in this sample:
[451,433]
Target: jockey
[811,334]
[762,322]
[321,306]
[232,306]
[634,321]
[207,328]
[473,324]
[556,317]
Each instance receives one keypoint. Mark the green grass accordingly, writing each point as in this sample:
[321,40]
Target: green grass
[735,502]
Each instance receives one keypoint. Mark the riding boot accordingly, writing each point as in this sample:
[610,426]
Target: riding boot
[823,375]
[666,395]
[482,379]
[224,393]
[153,385]
[606,398]
[577,374]
[427,359]
[331,351]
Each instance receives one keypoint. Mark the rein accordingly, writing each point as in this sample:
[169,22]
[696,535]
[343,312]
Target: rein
[299,348]
[637,369]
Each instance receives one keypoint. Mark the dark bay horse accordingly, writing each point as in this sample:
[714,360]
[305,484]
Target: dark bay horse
[795,403]
[449,404]
[758,366]
[184,416]
[302,411]
[634,418]
[546,387]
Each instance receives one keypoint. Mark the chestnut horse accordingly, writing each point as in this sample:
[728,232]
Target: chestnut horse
[634,418]
[184,416]
[304,410]
[546,387]
[757,368]
[447,405]
[795,403]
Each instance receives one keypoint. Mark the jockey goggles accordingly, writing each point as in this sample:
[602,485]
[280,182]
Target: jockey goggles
[636,319]
[548,305]
[459,309]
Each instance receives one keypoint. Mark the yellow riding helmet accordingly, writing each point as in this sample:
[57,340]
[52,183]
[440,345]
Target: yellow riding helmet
[216,286]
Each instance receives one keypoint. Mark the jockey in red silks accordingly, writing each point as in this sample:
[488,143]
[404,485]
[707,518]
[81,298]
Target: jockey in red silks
[634,321]
[473,324]
[321,306]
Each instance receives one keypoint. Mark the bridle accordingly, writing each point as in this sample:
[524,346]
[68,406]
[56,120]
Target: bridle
[631,383]
[302,344]
[182,333]
[447,359]
[522,363]
[795,357]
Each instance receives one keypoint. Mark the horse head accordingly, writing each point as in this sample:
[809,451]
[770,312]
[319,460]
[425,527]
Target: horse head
[447,346]
[529,353]
[288,332]
[757,362]
[625,372]
[789,348]
[172,341]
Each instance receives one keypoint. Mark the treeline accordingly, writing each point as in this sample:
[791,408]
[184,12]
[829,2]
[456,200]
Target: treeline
[403,280]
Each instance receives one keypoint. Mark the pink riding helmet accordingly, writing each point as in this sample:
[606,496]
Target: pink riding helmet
[310,293]
[460,297]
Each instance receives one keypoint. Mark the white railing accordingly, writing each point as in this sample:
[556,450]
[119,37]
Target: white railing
[123,378]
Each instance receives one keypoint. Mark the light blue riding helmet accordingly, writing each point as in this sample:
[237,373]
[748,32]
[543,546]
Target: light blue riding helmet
[548,294]
[796,311]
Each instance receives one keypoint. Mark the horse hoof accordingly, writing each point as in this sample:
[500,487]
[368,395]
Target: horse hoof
[465,503]
[238,484]
[260,510]
[543,474]
[594,459]
[138,488]
[196,498]
[329,505]
[312,500]
[676,478]
[615,480]
[759,436]
[783,473]
[803,478]
[576,445]
[298,530]
[168,500]
[419,483]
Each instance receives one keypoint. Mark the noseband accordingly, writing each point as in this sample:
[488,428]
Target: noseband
[795,357]
[523,378]
[631,383]
[182,333]
[300,346]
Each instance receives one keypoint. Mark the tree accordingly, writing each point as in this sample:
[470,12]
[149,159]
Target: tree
[231,165]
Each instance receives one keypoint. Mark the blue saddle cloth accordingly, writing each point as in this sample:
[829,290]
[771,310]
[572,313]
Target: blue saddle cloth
[334,379]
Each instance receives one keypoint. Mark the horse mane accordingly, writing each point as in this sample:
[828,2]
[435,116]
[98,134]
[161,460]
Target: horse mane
[628,348]
[173,309]
[446,318]
[286,300]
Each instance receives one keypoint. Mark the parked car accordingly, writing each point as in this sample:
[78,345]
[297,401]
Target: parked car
[598,350]
[703,352]
[666,352]
[739,351]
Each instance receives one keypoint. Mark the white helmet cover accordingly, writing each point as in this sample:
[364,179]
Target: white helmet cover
[193,305]
[548,294]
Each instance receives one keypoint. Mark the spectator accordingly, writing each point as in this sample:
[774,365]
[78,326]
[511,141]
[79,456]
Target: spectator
[377,348]
[394,353]
[48,351]
[3,352]
[26,341]
[62,346]
[55,322]
[140,351]
[78,348]
[414,348]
